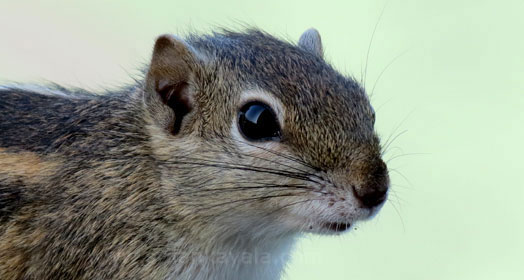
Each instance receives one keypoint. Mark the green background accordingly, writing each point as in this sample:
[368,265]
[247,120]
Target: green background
[452,90]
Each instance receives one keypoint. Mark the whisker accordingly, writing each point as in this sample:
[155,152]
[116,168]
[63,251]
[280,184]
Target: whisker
[294,159]
[404,155]
[402,175]
[207,184]
[371,43]
[395,195]
[244,200]
[388,142]
[300,171]
[400,217]
[399,186]
[233,189]
[217,164]
[385,69]
[391,149]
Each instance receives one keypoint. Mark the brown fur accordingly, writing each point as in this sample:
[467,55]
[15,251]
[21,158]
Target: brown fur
[157,182]
[29,166]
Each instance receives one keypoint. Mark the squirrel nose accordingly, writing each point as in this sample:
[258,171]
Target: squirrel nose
[374,190]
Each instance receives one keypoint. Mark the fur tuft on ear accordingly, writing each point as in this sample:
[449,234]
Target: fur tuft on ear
[311,42]
[168,95]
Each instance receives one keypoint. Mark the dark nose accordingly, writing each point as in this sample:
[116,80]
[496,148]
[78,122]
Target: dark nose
[374,189]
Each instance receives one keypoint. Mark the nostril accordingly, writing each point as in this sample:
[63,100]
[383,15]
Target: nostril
[372,188]
[373,197]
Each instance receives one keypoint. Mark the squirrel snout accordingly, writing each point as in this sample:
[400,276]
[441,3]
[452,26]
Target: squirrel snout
[373,191]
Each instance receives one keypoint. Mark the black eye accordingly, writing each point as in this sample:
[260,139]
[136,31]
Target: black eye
[258,122]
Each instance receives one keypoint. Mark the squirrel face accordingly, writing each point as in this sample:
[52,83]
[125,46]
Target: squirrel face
[259,137]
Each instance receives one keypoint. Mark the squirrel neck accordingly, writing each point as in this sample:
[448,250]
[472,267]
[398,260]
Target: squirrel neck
[261,261]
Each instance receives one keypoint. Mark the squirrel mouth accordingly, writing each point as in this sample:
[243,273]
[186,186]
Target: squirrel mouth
[337,227]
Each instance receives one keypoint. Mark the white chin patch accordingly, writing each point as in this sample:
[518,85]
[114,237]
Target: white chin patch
[327,214]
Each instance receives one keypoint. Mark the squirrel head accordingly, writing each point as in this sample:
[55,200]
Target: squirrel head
[259,137]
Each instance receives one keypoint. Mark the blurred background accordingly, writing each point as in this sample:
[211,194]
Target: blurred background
[446,79]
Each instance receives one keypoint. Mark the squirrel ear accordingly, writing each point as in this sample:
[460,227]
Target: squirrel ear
[310,41]
[168,95]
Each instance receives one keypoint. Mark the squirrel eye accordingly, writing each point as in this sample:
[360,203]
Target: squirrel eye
[258,122]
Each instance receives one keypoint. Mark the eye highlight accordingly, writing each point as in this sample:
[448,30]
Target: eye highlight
[258,122]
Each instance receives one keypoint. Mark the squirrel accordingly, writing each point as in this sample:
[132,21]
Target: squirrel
[232,146]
